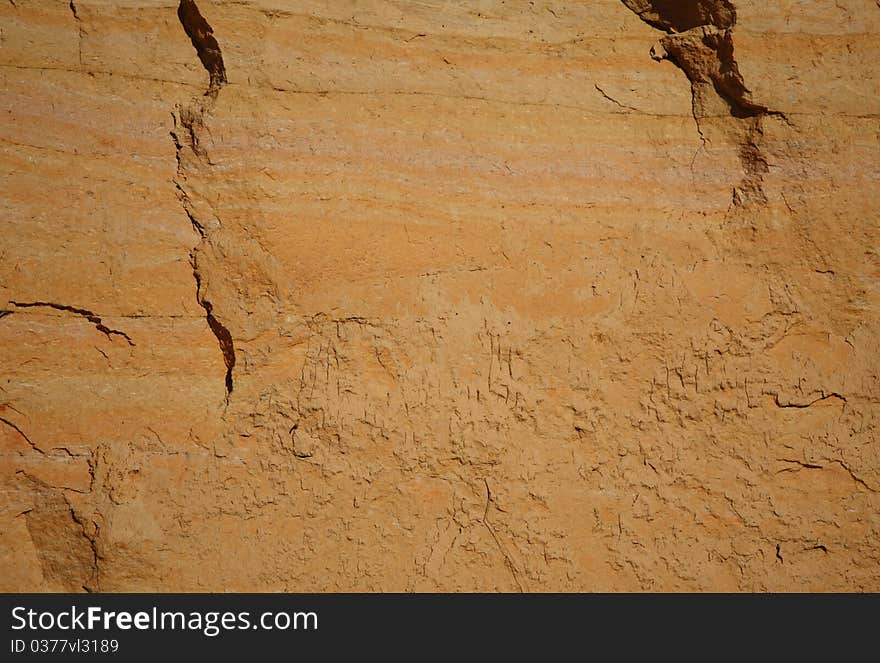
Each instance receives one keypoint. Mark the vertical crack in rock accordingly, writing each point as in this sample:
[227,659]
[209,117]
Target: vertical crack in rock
[67,551]
[79,29]
[508,561]
[189,122]
[699,41]
[224,338]
[85,313]
[201,34]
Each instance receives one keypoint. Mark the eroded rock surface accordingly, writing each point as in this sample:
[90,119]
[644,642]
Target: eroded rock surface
[510,296]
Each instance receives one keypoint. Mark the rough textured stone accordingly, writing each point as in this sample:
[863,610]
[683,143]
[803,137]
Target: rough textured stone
[451,295]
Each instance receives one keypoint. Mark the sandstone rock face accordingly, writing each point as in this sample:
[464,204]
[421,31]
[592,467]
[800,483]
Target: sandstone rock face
[492,296]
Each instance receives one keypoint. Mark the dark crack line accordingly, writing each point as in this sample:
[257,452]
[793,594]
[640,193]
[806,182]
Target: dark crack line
[798,465]
[201,34]
[224,337]
[802,406]
[92,582]
[93,546]
[853,475]
[615,101]
[703,140]
[85,313]
[187,207]
[508,562]
[23,435]
[79,28]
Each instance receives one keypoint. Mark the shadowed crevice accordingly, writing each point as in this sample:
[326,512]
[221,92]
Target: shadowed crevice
[85,313]
[699,41]
[224,337]
[191,119]
[201,34]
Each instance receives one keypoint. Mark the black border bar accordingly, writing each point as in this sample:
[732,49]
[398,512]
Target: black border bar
[463,626]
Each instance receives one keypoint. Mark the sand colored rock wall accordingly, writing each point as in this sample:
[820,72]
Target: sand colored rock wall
[493,296]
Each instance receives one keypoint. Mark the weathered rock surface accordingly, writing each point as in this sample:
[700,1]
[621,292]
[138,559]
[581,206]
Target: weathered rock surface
[440,296]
